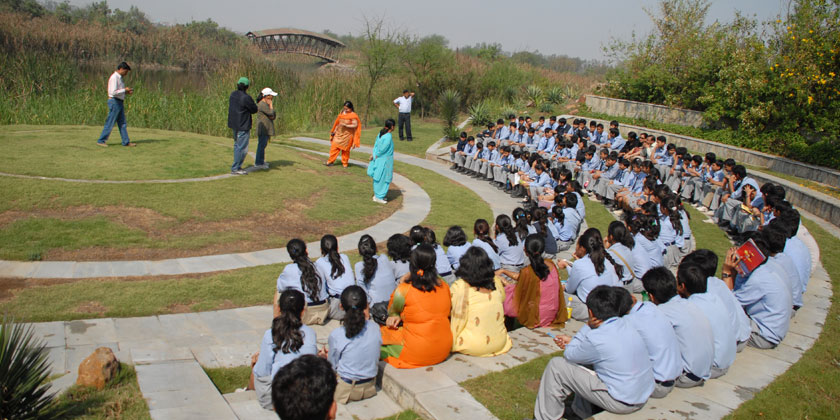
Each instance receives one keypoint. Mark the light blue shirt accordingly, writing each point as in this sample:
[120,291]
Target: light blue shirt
[626,178]
[668,234]
[694,333]
[653,251]
[382,284]
[667,159]
[581,207]
[786,269]
[510,254]
[598,138]
[493,155]
[541,144]
[356,358]
[619,249]
[290,279]
[271,360]
[530,142]
[583,277]
[660,340]
[611,172]
[522,165]
[335,285]
[454,254]
[767,301]
[469,149]
[441,261]
[550,144]
[400,269]
[639,183]
[503,134]
[543,180]
[801,259]
[641,260]
[490,252]
[617,143]
[724,335]
[686,225]
[734,312]
[619,357]
[571,221]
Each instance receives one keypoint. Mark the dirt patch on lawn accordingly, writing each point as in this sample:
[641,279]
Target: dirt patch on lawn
[252,233]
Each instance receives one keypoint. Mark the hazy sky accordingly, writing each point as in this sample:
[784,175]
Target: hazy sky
[574,28]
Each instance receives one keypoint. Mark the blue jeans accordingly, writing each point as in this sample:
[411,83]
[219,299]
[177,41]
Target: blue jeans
[261,144]
[116,114]
[240,148]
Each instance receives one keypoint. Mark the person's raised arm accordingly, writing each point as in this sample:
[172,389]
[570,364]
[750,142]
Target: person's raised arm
[728,271]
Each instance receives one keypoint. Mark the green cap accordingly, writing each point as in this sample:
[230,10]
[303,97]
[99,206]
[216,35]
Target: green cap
[244,80]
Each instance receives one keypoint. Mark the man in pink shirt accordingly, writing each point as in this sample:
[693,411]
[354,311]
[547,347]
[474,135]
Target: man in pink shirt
[116,110]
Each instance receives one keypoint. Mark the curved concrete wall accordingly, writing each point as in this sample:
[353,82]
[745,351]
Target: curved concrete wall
[642,110]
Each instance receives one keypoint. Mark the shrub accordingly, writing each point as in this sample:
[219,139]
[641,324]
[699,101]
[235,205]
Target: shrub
[555,95]
[480,114]
[534,95]
[24,370]
[449,103]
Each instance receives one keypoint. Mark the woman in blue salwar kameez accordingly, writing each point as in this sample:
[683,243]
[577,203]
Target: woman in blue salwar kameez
[381,167]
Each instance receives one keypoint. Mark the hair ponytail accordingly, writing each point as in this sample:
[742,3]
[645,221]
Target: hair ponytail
[389,125]
[505,225]
[619,232]
[482,231]
[285,329]
[354,302]
[367,249]
[534,248]
[670,203]
[329,249]
[309,280]
[619,269]
[520,219]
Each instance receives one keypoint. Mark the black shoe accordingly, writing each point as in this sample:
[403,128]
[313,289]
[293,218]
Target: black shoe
[402,139]
[453,167]
[410,139]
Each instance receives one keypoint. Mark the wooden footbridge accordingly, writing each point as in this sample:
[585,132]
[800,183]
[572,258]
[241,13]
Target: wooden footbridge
[297,41]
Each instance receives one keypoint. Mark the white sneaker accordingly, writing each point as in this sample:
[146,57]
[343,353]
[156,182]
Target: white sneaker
[379,200]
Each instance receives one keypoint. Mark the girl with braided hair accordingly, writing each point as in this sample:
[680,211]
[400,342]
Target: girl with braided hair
[336,270]
[302,276]
[593,267]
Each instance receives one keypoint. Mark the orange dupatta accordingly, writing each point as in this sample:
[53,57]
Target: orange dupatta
[357,136]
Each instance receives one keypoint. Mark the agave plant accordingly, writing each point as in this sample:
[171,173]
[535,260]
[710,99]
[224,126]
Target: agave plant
[480,114]
[555,95]
[24,369]
[449,103]
[571,93]
[534,95]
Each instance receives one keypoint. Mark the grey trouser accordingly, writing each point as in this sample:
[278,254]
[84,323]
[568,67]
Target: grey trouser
[561,378]
[757,340]
[635,286]
[585,177]
[673,181]
[602,186]
[727,210]
[468,162]
[579,310]
[689,187]
[564,245]
[335,309]
[499,174]
[484,169]
[714,203]
[611,190]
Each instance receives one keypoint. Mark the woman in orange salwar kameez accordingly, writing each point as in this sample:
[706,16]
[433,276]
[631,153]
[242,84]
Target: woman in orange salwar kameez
[422,303]
[345,134]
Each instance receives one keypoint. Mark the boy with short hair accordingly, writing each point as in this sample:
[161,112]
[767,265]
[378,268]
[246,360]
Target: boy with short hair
[305,389]
[609,173]
[694,333]
[459,147]
[622,380]
[483,168]
[462,155]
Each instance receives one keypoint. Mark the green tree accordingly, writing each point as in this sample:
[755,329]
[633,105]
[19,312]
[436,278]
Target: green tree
[378,55]
[429,62]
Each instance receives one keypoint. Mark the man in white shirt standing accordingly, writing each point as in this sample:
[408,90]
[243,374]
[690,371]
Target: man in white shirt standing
[403,103]
[116,110]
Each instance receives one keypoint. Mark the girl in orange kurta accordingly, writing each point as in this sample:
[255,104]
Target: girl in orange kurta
[422,303]
[345,134]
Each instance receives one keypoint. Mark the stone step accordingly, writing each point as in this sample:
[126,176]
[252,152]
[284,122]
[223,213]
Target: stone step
[180,389]
[246,407]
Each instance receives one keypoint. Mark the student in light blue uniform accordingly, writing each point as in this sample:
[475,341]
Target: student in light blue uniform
[278,350]
[421,235]
[510,245]
[789,218]
[536,187]
[481,229]
[661,343]
[765,297]
[485,170]
[354,349]
[691,285]
[730,203]
[620,244]
[610,173]
[694,333]
[568,229]
[737,318]
[456,245]
[671,231]
[593,267]
[302,276]
[461,156]
[665,162]
[623,377]
[615,140]
[374,272]
[775,236]
[648,253]
[337,271]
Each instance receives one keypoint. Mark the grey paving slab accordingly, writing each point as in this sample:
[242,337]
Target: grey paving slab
[146,355]
[373,408]
[753,370]
[798,341]
[17,269]
[723,393]
[807,322]
[86,269]
[234,354]
[403,384]
[128,268]
[54,269]
[251,410]
[138,328]
[451,403]
[181,389]
[57,357]
[163,268]
[219,410]
[52,333]
[90,331]
[257,317]
[678,405]
[205,357]
[184,325]
[458,368]
[223,321]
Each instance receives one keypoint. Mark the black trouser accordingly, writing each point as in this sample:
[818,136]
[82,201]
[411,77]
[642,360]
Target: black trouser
[405,120]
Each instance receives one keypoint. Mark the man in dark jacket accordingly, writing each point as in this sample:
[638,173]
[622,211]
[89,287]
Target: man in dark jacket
[240,108]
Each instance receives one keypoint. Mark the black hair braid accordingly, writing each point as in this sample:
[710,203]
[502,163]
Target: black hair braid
[285,329]
[619,269]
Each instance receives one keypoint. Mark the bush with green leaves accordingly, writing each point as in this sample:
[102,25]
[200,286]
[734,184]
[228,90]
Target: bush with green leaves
[24,370]
[480,114]
[449,103]
[555,95]
[534,95]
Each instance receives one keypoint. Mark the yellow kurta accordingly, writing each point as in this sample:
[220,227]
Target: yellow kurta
[478,320]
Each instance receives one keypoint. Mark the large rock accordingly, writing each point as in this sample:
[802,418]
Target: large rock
[98,368]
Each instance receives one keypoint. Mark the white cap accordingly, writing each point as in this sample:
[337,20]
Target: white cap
[268,92]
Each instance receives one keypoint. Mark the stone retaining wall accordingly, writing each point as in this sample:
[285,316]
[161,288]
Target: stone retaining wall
[641,110]
[822,205]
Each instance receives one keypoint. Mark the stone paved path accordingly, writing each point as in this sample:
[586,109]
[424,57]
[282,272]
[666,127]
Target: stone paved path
[168,348]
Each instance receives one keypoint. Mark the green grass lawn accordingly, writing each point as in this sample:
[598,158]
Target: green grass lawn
[121,399]
[227,380]
[42,219]
[71,152]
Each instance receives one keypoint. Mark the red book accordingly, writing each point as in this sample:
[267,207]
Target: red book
[749,257]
